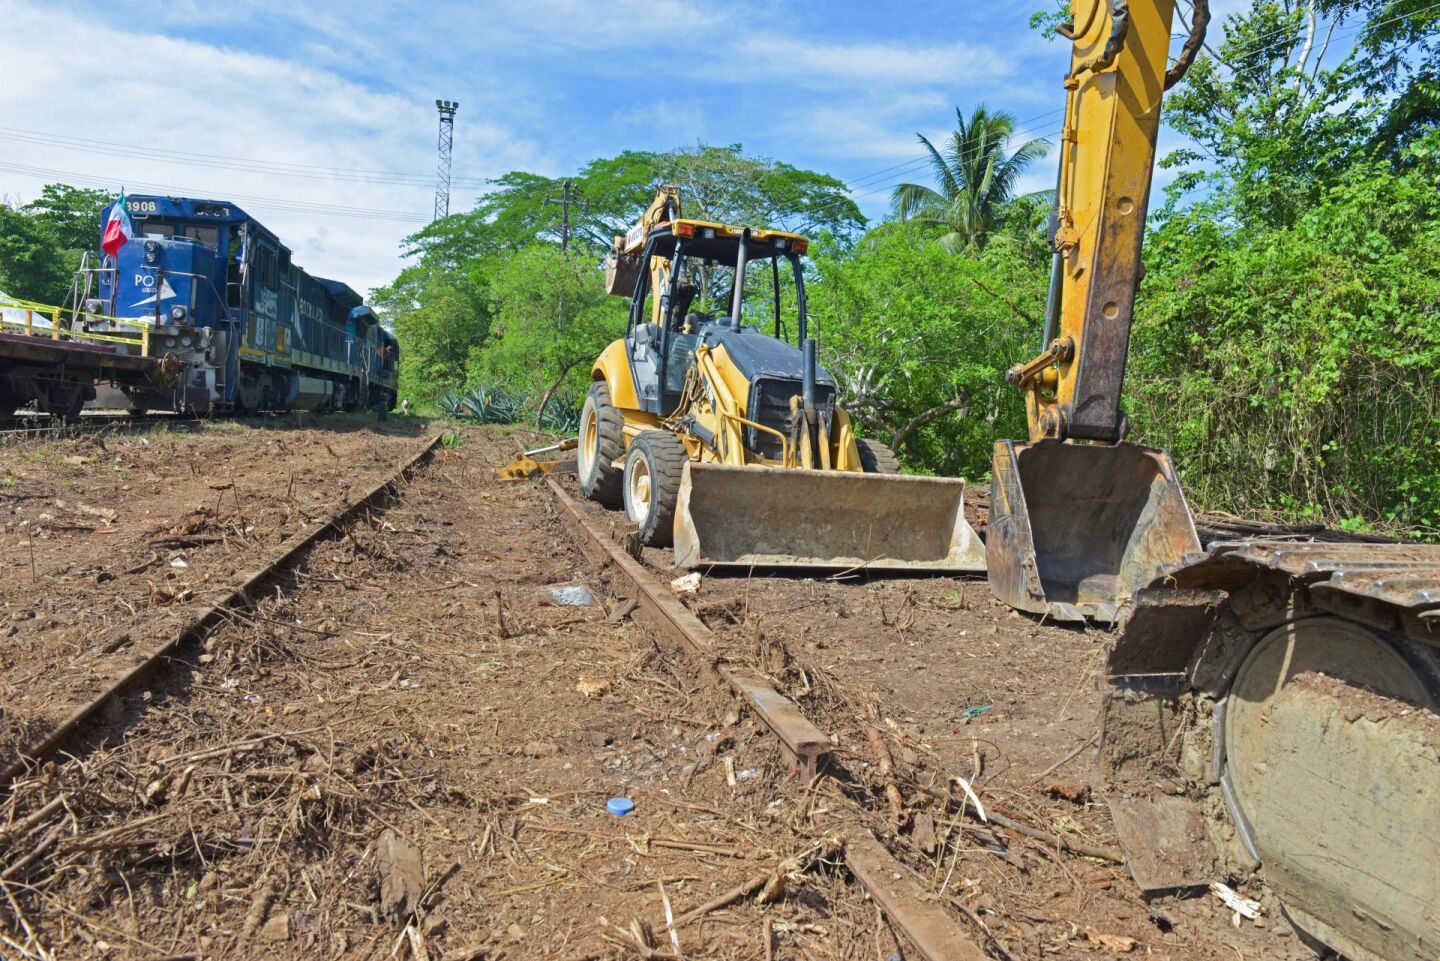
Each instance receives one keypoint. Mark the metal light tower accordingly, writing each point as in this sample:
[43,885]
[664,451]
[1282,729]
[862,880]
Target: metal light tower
[447,110]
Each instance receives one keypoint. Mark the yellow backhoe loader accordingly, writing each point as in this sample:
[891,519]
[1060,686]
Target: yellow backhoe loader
[1271,709]
[726,440]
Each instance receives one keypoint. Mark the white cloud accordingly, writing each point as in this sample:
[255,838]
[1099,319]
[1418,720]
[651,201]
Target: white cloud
[870,63]
[591,25]
[351,86]
[840,131]
[662,124]
[170,94]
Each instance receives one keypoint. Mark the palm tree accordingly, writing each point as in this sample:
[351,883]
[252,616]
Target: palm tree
[974,176]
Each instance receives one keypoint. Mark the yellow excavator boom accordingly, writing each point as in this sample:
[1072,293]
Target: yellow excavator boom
[1073,531]
[622,266]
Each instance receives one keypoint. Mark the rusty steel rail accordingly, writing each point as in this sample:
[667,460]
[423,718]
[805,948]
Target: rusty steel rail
[235,597]
[933,931]
[928,926]
[804,743]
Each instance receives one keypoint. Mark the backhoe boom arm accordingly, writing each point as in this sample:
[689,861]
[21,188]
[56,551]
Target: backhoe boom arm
[1107,152]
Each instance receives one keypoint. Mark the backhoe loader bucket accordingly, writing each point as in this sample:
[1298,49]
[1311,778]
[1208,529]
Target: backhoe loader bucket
[767,518]
[1075,530]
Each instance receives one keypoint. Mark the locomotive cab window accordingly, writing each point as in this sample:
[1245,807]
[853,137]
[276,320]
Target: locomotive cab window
[267,274]
[209,236]
[162,231]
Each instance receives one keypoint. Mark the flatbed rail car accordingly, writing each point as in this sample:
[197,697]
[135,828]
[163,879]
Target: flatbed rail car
[251,330]
[58,369]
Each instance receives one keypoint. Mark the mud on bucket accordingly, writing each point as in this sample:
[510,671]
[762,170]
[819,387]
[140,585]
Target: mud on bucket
[1076,529]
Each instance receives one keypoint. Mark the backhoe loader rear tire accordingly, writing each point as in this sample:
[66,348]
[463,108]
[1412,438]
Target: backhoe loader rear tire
[602,442]
[876,458]
[653,471]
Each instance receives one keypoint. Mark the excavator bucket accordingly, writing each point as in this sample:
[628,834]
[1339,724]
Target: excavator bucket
[1075,529]
[525,466]
[768,518]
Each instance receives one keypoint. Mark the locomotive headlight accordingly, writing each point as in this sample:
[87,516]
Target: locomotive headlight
[152,251]
[177,314]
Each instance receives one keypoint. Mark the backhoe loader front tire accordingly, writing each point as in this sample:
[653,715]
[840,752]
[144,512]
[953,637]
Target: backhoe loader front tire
[876,458]
[653,471]
[602,442]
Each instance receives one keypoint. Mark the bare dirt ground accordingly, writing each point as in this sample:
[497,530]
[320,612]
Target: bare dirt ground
[407,749]
[107,540]
[957,683]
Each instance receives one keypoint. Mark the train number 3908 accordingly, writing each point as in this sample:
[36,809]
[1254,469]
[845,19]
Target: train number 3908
[143,206]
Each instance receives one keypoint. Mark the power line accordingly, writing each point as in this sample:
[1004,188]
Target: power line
[236,164]
[227,162]
[269,203]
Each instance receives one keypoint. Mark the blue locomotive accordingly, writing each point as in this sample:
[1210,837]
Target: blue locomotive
[248,330]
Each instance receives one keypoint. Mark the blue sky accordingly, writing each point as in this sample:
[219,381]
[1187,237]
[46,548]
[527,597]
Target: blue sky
[293,104]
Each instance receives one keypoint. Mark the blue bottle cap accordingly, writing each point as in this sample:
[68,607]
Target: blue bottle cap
[619,806]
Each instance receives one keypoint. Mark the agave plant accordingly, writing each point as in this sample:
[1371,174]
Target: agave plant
[561,418]
[453,406]
[493,405]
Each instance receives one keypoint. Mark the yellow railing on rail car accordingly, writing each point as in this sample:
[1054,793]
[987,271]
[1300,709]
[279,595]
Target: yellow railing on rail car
[55,331]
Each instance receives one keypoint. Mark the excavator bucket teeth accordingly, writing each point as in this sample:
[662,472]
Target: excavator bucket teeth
[775,518]
[1075,530]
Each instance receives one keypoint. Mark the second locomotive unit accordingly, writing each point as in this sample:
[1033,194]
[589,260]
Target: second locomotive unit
[249,329]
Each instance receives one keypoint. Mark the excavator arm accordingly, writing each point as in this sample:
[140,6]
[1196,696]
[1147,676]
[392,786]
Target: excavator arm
[664,208]
[1107,152]
[1080,520]
[622,266]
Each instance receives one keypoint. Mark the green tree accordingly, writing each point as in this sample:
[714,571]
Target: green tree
[716,183]
[1287,343]
[1295,368]
[41,243]
[439,317]
[30,267]
[919,340]
[454,304]
[1279,111]
[71,214]
[1273,128]
[1399,56]
[550,318]
[975,177]
[722,184]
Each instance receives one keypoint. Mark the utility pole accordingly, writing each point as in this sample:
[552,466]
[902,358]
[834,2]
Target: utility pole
[447,110]
[564,202]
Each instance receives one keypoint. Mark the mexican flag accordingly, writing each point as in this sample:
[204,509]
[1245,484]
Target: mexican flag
[118,227]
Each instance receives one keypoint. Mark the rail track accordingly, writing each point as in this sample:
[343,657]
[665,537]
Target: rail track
[364,657]
[24,429]
[235,597]
[936,933]
[40,427]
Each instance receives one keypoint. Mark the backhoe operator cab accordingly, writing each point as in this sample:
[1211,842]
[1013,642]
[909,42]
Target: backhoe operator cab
[697,284]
